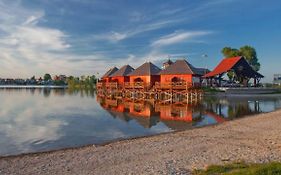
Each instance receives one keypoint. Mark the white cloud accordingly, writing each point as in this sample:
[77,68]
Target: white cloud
[38,37]
[33,19]
[114,36]
[29,49]
[178,37]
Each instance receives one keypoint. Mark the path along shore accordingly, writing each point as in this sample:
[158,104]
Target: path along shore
[252,139]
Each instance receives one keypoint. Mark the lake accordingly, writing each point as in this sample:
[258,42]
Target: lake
[35,120]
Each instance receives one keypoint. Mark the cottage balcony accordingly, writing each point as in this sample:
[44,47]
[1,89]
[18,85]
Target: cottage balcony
[181,85]
[135,85]
[100,85]
[111,85]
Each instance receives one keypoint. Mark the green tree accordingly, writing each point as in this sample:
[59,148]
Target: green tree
[47,77]
[248,52]
[93,79]
[251,56]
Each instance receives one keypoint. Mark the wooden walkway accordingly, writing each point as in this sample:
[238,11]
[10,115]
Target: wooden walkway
[176,92]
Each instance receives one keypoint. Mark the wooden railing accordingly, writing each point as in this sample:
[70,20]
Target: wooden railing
[135,85]
[100,85]
[142,85]
[174,85]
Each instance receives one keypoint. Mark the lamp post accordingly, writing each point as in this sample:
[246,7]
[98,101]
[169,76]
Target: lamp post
[205,71]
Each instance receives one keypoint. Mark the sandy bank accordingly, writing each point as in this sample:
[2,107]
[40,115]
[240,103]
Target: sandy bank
[252,139]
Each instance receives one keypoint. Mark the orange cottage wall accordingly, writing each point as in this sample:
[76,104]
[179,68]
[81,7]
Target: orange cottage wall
[146,79]
[120,79]
[105,79]
[168,78]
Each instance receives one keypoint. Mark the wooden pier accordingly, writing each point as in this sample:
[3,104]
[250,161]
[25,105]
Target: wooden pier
[174,92]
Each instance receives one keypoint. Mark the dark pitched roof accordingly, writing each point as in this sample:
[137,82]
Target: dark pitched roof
[181,67]
[146,69]
[110,72]
[235,63]
[123,71]
[202,71]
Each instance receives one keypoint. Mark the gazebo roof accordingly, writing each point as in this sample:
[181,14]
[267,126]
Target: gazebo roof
[146,69]
[238,64]
[123,71]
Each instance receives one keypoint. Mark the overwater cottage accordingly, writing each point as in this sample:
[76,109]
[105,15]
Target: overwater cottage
[106,77]
[146,75]
[121,76]
[181,73]
[174,82]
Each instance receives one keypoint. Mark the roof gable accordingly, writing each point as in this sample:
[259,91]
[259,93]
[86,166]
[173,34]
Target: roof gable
[123,71]
[236,63]
[110,72]
[180,67]
[146,69]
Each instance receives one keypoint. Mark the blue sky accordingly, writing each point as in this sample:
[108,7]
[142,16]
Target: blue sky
[88,36]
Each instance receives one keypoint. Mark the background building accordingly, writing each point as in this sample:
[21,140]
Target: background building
[277,79]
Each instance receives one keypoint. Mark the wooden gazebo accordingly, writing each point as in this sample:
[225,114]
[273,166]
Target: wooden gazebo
[238,65]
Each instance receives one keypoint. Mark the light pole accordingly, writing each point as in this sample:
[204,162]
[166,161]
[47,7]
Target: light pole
[205,71]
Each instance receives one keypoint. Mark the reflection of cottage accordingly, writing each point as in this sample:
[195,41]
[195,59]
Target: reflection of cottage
[146,75]
[216,117]
[175,112]
[141,109]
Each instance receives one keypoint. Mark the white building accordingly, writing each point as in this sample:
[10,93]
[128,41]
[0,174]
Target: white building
[277,79]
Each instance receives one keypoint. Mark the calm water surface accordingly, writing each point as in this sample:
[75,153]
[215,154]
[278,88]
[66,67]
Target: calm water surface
[35,120]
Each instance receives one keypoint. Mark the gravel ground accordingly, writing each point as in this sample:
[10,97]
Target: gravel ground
[253,139]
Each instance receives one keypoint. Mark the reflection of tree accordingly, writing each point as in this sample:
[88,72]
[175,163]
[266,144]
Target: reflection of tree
[46,92]
[235,107]
[32,91]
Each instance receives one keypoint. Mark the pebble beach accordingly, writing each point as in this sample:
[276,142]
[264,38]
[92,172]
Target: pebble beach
[254,139]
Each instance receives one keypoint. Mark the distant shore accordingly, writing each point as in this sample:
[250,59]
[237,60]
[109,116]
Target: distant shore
[32,86]
[252,139]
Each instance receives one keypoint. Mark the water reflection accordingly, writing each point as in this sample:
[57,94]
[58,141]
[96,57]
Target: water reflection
[210,110]
[34,120]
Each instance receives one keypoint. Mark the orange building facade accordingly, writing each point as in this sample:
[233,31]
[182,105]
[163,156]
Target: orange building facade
[106,77]
[121,76]
[146,74]
[181,72]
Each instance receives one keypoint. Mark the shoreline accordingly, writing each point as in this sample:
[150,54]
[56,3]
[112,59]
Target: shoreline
[32,87]
[251,139]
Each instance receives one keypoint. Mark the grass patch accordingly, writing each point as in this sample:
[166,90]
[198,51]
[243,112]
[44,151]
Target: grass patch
[211,90]
[241,168]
